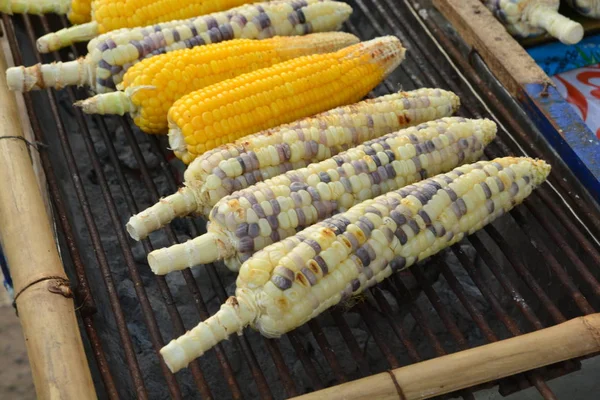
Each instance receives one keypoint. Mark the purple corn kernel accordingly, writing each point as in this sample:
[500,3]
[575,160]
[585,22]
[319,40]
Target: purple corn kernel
[451,193]
[398,263]
[253,230]
[321,208]
[310,276]
[355,285]
[246,245]
[314,245]
[276,207]
[237,185]
[398,217]
[401,235]
[514,189]
[414,226]
[372,210]
[281,282]
[313,193]
[382,172]
[324,176]
[368,272]
[499,183]
[322,264]
[301,217]
[351,239]
[497,165]
[259,211]
[370,251]
[284,272]
[368,222]
[275,237]
[242,230]
[417,163]
[272,220]
[462,206]
[423,214]
[391,172]
[486,190]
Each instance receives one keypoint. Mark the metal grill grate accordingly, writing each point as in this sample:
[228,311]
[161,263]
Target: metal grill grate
[535,267]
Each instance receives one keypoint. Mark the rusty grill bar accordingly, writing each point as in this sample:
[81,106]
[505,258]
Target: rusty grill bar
[543,234]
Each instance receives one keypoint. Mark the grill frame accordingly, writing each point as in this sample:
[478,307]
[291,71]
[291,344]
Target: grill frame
[398,18]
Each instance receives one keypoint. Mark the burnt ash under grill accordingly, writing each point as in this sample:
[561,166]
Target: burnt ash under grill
[451,302]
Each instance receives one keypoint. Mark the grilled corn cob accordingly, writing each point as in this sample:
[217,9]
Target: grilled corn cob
[111,55]
[589,8]
[153,85]
[524,18]
[252,218]
[293,281]
[285,92]
[110,15]
[78,11]
[267,154]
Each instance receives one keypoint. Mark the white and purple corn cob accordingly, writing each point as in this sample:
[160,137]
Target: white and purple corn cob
[589,8]
[220,172]
[524,18]
[252,218]
[111,54]
[288,283]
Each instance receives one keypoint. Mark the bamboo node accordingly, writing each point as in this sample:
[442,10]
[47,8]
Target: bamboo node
[401,395]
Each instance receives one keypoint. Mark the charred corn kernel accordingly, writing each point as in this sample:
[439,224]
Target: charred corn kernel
[363,172]
[300,87]
[352,251]
[111,15]
[589,8]
[78,11]
[154,84]
[267,154]
[524,18]
[112,54]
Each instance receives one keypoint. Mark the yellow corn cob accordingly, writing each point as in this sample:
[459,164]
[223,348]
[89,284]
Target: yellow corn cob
[293,281]
[153,85]
[78,11]
[110,15]
[264,155]
[252,218]
[285,92]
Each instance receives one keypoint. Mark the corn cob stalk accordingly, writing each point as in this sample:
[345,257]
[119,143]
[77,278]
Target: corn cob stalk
[524,18]
[154,84]
[293,281]
[78,11]
[285,92]
[589,8]
[267,154]
[250,219]
[110,15]
[111,55]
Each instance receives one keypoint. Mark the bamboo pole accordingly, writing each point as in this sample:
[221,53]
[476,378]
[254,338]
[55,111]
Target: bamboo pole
[58,363]
[575,338]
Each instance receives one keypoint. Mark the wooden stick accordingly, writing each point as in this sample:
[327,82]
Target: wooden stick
[505,57]
[575,338]
[58,363]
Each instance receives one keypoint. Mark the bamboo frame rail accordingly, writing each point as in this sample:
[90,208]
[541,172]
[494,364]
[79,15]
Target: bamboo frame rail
[43,297]
[575,338]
